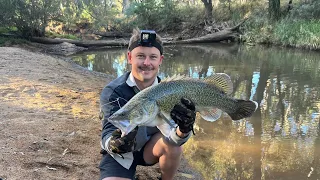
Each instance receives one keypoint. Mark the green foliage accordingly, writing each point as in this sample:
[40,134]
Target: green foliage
[153,14]
[4,41]
[191,14]
[235,10]
[257,28]
[63,36]
[7,29]
[297,33]
[299,27]
[100,13]
[70,13]
[29,17]
[306,10]
[60,18]
[287,32]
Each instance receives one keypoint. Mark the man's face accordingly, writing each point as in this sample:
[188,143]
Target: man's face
[145,63]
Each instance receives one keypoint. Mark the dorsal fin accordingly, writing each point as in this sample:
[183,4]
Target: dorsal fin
[175,78]
[222,81]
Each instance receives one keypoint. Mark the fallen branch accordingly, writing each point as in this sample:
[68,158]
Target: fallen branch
[225,34]
[113,34]
[87,43]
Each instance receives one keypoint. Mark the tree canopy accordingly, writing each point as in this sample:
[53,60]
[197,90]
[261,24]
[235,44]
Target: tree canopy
[38,17]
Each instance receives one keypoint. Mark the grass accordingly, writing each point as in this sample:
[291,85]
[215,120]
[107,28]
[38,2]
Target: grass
[298,33]
[7,29]
[62,36]
[5,41]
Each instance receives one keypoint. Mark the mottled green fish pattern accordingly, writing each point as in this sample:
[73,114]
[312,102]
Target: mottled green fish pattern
[210,95]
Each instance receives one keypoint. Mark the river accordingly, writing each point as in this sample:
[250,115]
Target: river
[282,138]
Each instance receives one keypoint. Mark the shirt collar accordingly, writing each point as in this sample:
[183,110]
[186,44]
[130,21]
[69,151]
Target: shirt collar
[131,82]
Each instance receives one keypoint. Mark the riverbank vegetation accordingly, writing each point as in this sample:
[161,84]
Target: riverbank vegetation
[297,25]
[292,23]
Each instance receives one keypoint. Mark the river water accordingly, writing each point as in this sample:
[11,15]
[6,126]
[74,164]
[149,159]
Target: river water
[282,138]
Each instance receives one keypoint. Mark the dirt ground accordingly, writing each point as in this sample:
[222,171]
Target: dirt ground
[49,119]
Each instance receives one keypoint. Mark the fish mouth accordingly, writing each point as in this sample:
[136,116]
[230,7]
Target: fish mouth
[118,116]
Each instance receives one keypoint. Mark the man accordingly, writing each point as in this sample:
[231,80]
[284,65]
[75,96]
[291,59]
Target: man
[144,145]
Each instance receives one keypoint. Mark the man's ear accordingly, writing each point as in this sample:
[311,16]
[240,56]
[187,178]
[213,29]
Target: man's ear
[161,58]
[129,56]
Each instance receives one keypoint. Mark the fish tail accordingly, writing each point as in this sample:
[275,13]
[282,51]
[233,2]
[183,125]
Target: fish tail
[245,108]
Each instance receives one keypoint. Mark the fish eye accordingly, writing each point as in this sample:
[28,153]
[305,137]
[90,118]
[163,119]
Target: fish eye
[122,114]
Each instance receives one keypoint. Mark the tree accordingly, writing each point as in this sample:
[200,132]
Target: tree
[274,9]
[103,12]
[208,9]
[29,17]
[125,5]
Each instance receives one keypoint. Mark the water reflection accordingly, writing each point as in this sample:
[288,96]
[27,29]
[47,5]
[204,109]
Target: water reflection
[112,61]
[280,141]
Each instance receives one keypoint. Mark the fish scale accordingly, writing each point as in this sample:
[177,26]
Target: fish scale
[168,94]
[209,95]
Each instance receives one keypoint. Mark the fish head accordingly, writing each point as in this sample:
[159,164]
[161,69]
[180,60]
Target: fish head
[121,114]
[136,112]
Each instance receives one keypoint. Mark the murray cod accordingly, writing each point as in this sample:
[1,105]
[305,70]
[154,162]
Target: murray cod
[210,95]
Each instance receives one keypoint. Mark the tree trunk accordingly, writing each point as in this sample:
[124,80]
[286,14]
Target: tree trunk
[89,43]
[113,34]
[290,6]
[125,5]
[208,9]
[274,9]
[226,34]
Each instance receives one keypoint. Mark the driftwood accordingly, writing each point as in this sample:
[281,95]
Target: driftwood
[113,34]
[87,43]
[225,34]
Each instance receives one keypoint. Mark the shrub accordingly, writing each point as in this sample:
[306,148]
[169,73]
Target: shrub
[298,33]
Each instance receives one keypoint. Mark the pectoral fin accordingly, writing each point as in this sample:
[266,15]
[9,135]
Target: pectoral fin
[166,117]
[209,113]
[165,129]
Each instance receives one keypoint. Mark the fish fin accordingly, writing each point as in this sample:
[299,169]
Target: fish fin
[166,117]
[128,129]
[245,109]
[210,114]
[176,77]
[165,129]
[222,81]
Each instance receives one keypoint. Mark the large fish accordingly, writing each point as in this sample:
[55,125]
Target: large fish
[210,95]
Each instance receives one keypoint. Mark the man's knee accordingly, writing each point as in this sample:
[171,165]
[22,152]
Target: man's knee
[173,150]
[115,178]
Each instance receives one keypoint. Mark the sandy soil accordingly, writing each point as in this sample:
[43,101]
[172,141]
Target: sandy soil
[49,119]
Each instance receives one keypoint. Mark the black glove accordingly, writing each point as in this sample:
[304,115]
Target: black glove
[120,145]
[184,115]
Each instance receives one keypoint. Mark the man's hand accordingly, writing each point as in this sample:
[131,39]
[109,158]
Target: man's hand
[120,145]
[184,115]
